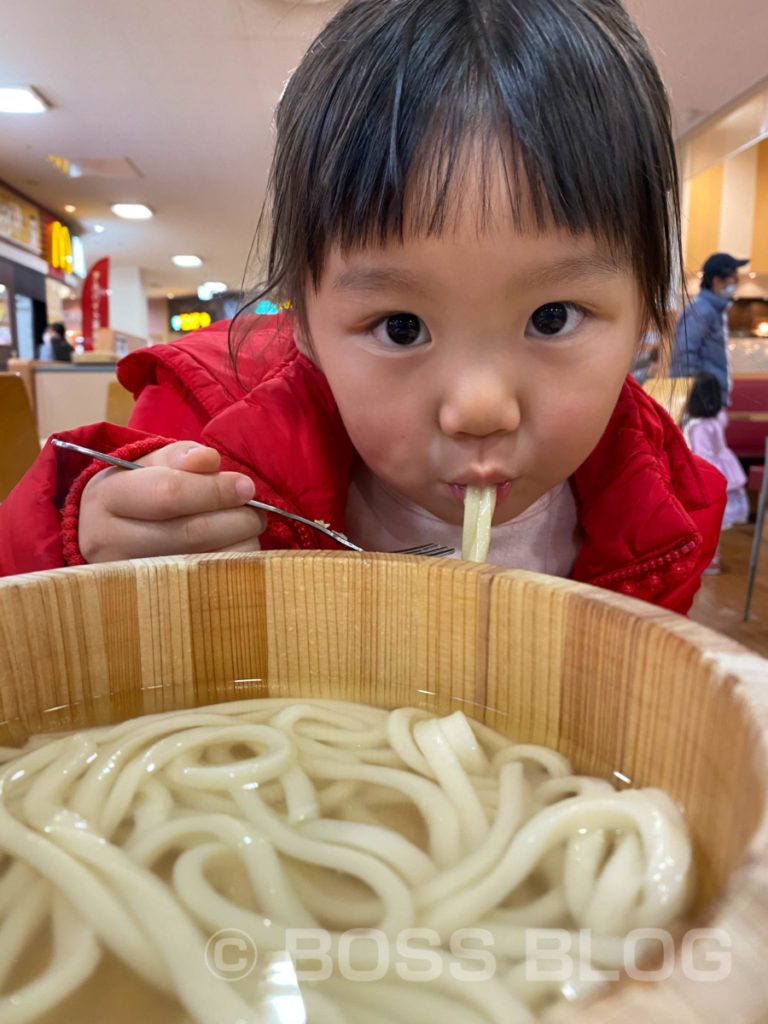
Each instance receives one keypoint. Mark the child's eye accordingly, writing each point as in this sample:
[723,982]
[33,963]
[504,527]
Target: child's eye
[556,319]
[404,329]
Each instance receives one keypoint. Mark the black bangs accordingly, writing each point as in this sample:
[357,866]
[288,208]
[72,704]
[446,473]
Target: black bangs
[397,99]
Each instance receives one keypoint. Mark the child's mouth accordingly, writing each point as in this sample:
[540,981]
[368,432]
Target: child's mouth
[458,491]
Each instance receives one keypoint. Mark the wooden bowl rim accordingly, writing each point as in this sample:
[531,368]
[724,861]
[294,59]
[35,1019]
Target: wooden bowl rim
[740,908]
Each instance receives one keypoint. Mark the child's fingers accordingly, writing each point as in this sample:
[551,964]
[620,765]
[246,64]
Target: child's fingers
[196,534]
[186,455]
[178,503]
[159,493]
[253,544]
[223,530]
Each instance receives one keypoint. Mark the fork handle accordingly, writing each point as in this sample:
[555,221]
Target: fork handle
[338,537]
[124,464]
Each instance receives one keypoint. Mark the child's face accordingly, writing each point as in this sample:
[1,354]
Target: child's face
[475,358]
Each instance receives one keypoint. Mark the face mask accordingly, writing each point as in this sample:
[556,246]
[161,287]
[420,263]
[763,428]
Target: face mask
[729,291]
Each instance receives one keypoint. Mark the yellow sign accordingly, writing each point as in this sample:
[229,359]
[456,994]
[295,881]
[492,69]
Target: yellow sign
[20,222]
[62,164]
[59,247]
[190,321]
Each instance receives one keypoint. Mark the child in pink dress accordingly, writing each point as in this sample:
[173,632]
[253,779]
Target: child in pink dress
[704,429]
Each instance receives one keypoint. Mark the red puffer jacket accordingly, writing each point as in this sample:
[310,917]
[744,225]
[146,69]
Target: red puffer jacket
[649,509]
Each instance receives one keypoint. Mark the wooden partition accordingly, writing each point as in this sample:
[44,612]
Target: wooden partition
[119,404]
[69,395]
[19,444]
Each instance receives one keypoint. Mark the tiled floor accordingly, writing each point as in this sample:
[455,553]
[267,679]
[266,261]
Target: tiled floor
[720,602]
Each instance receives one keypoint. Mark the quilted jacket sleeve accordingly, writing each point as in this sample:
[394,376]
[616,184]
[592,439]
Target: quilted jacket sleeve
[684,578]
[35,532]
[160,410]
[31,516]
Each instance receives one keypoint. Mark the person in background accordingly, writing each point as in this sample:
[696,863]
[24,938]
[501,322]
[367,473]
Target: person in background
[472,223]
[701,337]
[55,347]
[704,429]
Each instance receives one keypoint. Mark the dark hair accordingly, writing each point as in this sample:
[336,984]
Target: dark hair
[705,399]
[394,96]
[722,265]
[708,280]
[57,328]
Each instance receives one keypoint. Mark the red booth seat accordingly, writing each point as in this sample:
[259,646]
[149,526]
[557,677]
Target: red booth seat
[748,416]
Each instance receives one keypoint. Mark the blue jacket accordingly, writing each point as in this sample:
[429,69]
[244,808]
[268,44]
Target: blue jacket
[700,340]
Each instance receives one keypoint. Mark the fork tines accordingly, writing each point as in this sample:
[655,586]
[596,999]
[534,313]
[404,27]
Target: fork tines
[430,550]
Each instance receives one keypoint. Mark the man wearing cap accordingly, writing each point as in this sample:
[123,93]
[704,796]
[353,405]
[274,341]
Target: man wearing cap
[702,331]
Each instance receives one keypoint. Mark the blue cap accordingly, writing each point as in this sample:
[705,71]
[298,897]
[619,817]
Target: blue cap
[721,264]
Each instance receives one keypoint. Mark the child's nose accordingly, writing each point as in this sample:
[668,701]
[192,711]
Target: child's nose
[479,402]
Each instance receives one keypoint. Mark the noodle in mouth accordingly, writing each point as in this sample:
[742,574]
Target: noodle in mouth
[147,838]
[479,503]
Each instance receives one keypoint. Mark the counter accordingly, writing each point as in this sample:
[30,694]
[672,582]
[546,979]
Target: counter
[65,395]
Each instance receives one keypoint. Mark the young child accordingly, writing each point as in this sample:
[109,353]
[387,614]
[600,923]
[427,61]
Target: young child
[704,429]
[473,214]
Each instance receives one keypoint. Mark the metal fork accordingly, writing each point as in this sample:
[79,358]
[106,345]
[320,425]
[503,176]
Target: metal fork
[430,550]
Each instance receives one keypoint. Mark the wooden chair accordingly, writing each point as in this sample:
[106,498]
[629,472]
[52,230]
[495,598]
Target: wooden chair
[671,393]
[758,536]
[119,404]
[19,443]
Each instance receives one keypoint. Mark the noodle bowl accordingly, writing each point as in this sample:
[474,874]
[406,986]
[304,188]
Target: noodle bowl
[621,689]
[324,818]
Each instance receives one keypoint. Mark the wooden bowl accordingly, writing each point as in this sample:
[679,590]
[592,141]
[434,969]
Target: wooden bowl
[615,684]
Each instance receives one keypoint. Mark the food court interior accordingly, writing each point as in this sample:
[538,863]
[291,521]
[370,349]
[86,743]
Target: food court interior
[130,191]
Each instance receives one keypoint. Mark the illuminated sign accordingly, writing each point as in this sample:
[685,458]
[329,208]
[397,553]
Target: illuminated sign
[78,257]
[20,222]
[267,308]
[190,321]
[59,247]
[62,164]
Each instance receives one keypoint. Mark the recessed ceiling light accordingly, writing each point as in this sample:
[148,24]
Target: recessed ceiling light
[98,228]
[131,211]
[187,261]
[69,208]
[21,100]
[170,295]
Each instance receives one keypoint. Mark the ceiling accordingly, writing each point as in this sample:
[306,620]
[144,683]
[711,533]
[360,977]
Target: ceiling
[179,95]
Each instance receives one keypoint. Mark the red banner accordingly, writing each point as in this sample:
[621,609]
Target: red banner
[95,302]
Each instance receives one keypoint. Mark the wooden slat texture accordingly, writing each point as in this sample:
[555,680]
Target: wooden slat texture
[615,684]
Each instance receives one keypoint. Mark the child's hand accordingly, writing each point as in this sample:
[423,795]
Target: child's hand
[181,505]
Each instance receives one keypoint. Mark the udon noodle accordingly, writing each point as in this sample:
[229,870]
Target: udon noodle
[479,503]
[276,818]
